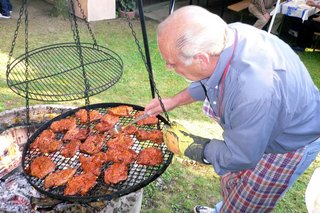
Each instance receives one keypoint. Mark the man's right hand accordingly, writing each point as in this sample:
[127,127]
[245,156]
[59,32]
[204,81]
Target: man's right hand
[182,98]
[154,106]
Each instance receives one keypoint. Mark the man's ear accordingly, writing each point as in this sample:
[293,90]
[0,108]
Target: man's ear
[202,58]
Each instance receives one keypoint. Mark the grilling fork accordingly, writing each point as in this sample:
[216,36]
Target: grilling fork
[118,127]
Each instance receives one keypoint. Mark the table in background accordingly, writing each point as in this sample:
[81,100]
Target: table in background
[297,9]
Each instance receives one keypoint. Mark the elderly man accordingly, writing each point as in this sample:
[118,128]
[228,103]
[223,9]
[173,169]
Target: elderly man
[260,92]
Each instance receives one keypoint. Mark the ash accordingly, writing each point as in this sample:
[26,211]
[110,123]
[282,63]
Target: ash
[15,194]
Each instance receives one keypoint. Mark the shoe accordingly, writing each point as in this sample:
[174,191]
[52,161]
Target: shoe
[203,209]
[3,16]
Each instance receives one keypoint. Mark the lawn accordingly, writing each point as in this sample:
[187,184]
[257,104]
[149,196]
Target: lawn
[184,184]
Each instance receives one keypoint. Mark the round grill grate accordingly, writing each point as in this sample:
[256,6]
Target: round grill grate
[55,73]
[139,175]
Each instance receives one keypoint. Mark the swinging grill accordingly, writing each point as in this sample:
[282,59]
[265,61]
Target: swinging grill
[52,69]
[71,71]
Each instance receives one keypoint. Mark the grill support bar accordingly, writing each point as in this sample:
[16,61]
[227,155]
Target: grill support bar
[146,46]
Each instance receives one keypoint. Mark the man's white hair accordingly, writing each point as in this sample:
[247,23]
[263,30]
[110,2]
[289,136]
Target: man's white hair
[196,30]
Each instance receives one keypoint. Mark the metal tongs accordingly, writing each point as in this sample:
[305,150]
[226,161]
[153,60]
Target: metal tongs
[118,127]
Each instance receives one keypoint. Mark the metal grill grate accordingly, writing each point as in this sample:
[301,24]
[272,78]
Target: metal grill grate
[139,175]
[55,74]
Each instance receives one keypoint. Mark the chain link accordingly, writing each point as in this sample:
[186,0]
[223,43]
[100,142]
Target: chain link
[22,10]
[146,65]
[15,36]
[27,69]
[87,23]
[75,29]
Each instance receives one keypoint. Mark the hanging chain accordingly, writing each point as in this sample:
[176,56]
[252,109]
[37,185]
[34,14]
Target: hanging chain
[15,36]
[87,23]
[75,29]
[24,10]
[27,69]
[146,65]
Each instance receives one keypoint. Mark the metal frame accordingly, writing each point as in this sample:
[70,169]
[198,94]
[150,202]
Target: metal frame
[146,46]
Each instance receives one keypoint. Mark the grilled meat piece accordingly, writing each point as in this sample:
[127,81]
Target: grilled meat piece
[80,184]
[103,127]
[125,156]
[121,110]
[41,166]
[121,141]
[82,115]
[46,142]
[49,146]
[110,119]
[44,135]
[59,178]
[93,163]
[63,124]
[151,120]
[71,149]
[107,122]
[129,130]
[93,144]
[75,134]
[155,136]
[116,173]
[150,157]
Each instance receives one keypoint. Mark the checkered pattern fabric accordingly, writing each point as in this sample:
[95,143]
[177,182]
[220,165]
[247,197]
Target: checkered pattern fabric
[259,189]
[207,110]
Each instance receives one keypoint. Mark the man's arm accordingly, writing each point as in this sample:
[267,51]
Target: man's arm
[182,98]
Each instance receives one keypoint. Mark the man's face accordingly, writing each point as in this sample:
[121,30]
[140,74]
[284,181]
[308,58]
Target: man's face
[194,71]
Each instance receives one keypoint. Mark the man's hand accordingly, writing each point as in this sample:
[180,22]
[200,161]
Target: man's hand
[182,98]
[311,3]
[267,16]
[179,140]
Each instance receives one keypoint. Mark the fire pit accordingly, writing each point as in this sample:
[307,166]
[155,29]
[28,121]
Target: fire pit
[16,194]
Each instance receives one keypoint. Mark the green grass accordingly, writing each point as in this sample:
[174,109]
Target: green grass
[183,185]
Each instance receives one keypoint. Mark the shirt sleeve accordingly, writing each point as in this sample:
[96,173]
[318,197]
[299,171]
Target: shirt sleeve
[196,91]
[246,139]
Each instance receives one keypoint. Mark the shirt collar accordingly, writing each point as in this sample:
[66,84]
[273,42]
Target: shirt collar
[225,55]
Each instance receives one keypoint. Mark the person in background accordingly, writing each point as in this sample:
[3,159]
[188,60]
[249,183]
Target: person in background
[6,9]
[261,10]
[308,28]
[260,92]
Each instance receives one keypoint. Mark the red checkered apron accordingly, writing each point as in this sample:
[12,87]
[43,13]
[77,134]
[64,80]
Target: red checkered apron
[259,189]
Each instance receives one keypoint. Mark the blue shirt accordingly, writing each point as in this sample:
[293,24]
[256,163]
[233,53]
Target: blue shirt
[270,103]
